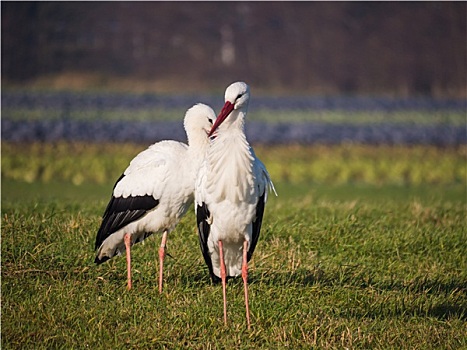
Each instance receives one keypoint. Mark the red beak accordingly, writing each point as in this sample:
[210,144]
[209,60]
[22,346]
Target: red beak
[228,107]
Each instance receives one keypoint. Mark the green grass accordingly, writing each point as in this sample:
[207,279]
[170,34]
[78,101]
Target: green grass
[338,265]
[343,164]
[455,118]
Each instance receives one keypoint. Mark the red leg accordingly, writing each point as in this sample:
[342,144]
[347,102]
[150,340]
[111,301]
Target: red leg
[127,240]
[245,281]
[161,259]
[223,277]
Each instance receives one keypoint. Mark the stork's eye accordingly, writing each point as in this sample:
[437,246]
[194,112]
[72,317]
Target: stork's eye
[239,95]
[210,120]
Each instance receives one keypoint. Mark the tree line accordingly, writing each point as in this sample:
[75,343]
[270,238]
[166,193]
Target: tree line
[394,48]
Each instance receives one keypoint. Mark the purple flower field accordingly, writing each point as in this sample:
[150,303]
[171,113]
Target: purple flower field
[65,126]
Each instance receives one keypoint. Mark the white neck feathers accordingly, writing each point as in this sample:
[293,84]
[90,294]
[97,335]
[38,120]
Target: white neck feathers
[230,164]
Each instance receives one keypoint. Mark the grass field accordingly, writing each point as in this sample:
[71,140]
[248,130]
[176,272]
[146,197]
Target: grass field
[344,261]
[409,118]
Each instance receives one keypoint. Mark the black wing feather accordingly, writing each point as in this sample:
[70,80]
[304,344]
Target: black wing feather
[256,226]
[202,215]
[121,211]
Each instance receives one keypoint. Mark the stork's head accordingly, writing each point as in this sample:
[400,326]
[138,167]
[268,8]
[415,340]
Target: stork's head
[198,122]
[237,96]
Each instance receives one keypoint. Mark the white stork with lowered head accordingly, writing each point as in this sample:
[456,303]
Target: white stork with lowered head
[230,195]
[155,191]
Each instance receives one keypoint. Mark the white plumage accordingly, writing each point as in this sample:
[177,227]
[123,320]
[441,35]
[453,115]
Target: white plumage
[155,191]
[230,194]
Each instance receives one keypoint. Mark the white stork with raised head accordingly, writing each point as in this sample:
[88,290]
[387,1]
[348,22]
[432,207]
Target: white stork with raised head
[155,191]
[230,195]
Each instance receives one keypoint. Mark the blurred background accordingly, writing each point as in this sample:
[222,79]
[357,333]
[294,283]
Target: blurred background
[385,48]
[322,74]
